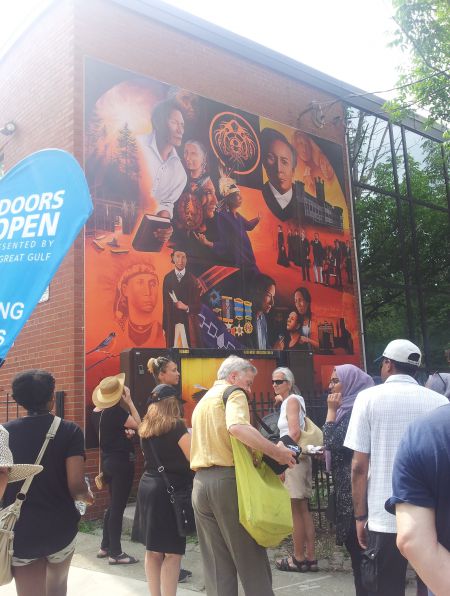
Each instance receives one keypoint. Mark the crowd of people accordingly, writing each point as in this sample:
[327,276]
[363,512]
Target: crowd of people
[327,261]
[385,446]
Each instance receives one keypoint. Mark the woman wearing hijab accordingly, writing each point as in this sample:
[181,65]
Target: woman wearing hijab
[439,382]
[114,416]
[345,384]
[163,433]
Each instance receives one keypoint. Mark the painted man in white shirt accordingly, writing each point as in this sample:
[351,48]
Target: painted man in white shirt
[168,176]
[380,417]
[280,160]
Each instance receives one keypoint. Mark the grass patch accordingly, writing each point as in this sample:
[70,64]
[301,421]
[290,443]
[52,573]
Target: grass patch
[89,527]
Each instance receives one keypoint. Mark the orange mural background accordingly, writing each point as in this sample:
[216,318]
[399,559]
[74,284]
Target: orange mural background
[118,113]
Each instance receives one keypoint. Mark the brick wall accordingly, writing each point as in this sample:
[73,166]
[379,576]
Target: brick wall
[37,94]
[44,95]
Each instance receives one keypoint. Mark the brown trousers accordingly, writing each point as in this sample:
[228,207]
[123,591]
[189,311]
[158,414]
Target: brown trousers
[227,549]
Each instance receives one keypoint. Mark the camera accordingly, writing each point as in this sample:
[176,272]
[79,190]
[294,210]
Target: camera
[296,450]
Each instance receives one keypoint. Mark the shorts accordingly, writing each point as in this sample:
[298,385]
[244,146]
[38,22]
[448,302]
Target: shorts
[58,557]
[298,480]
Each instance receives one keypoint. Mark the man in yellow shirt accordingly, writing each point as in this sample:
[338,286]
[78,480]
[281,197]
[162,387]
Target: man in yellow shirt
[226,547]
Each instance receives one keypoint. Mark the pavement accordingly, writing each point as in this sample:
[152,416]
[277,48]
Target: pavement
[90,576]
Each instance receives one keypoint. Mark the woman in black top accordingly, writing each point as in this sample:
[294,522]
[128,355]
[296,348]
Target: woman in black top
[115,418]
[154,523]
[45,532]
[164,371]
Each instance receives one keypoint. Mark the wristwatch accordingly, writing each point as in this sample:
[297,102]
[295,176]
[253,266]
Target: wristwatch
[361,517]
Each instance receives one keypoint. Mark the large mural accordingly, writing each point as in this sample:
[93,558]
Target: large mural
[212,228]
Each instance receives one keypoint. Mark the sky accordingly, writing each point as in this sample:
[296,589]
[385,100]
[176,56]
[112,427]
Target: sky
[346,39]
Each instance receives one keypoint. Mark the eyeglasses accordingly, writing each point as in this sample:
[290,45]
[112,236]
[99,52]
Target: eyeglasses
[334,381]
[278,381]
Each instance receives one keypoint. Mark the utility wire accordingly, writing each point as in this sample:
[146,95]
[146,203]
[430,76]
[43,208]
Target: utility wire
[328,104]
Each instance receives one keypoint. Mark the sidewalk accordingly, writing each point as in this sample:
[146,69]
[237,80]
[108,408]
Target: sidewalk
[90,576]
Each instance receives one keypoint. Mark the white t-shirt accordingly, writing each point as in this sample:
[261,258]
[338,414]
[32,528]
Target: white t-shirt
[168,177]
[379,419]
[282,420]
[284,199]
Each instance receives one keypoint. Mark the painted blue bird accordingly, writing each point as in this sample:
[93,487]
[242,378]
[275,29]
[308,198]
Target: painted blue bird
[104,343]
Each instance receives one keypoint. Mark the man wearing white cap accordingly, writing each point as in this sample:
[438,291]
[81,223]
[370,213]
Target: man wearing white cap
[380,417]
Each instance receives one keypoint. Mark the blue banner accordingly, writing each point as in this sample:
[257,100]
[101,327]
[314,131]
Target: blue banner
[44,203]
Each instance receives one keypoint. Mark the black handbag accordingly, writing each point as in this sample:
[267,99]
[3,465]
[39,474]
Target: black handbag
[271,433]
[268,425]
[181,499]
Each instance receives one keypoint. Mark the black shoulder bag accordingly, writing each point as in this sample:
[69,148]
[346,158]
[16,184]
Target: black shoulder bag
[270,433]
[181,499]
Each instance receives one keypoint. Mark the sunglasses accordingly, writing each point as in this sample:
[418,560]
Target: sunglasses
[278,381]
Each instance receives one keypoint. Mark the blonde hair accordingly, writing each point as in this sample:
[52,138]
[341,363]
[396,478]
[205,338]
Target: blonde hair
[161,417]
[156,366]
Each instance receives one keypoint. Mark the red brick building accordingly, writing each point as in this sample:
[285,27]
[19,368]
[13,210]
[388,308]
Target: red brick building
[44,95]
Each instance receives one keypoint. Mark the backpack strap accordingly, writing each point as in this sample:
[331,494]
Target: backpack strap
[229,390]
[260,421]
[21,495]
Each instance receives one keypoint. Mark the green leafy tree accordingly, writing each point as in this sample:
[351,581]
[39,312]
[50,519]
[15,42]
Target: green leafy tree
[424,32]
[393,280]
[126,154]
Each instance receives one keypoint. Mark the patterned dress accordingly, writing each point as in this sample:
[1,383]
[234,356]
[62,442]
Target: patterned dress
[341,461]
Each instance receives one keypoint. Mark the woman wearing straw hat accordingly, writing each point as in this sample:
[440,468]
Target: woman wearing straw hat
[45,533]
[113,417]
[163,431]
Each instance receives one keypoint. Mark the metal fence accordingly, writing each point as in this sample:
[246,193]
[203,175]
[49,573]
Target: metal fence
[316,409]
[9,409]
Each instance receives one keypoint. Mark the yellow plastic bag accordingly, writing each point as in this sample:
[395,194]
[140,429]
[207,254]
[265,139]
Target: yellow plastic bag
[264,503]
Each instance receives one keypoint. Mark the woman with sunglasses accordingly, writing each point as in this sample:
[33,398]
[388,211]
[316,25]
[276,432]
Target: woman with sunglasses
[345,383]
[298,480]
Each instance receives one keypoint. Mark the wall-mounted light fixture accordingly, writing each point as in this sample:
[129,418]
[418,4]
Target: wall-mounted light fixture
[8,129]
[317,115]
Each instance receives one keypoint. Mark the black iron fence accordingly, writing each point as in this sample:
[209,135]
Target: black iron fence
[9,409]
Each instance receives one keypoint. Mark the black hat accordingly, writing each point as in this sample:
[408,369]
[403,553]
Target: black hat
[164,391]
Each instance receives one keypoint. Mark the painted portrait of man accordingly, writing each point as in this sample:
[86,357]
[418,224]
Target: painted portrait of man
[135,301]
[281,194]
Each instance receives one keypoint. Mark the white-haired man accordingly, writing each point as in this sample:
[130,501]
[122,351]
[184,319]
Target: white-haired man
[379,419]
[227,549]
